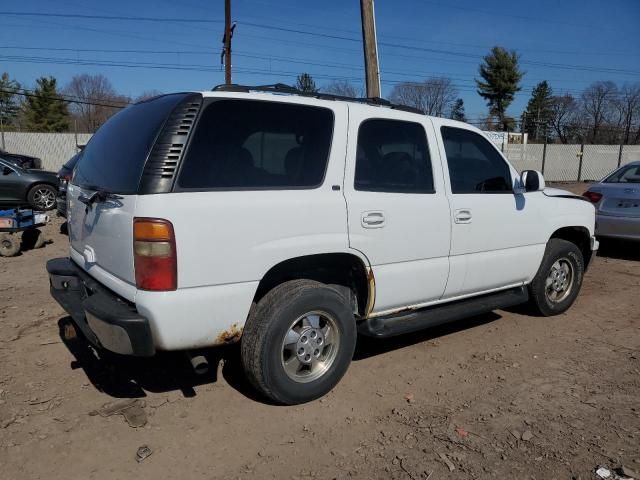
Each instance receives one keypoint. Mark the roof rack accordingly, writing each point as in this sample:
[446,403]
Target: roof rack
[282,88]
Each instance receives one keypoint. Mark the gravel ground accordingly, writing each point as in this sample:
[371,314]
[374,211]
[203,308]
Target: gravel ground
[502,395]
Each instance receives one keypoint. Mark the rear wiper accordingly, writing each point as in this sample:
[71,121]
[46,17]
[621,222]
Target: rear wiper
[100,195]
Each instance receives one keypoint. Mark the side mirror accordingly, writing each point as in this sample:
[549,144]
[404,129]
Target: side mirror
[7,171]
[532,181]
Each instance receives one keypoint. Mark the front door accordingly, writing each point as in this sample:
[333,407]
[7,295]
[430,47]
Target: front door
[496,236]
[12,190]
[397,207]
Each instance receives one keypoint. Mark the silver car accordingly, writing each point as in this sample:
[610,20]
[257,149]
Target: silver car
[617,202]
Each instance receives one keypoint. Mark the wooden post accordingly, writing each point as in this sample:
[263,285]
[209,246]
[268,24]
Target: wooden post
[372,70]
[581,155]
[620,155]
[227,42]
[2,132]
[544,154]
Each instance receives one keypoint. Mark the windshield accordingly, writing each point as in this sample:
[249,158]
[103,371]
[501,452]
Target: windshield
[72,161]
[114,158]
[8,163]
[630,174]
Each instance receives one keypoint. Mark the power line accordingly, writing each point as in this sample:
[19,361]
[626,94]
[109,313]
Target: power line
[60,97]
[409,78]
[321,35]
[112,17]
[494,13]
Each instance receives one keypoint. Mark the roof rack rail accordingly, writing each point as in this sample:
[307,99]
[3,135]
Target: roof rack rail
[282,88]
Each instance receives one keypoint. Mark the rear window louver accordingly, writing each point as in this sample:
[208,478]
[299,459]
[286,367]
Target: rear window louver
[167,152]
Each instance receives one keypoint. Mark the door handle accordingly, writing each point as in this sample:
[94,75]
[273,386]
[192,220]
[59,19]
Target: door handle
[462,215]
[372,219]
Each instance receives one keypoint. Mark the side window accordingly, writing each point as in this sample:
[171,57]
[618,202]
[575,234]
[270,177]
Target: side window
[474,165]
[392,156]
[248,144]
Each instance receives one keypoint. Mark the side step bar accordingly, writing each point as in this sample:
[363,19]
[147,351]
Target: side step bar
[412,321]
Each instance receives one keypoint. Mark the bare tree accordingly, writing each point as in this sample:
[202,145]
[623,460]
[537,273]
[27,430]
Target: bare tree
[147,94]
[344,88]
[629,109]
[563,110]
[97,100]
[434,96]
[598,104]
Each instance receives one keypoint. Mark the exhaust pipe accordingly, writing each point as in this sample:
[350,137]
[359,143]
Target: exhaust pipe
[199,363]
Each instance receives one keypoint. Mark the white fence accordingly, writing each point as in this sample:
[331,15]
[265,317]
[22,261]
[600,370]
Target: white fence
[565,163]
[559,163]
[53,148]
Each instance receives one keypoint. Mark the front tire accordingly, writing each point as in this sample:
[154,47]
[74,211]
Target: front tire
[557,283]
[298,341]
[42,197]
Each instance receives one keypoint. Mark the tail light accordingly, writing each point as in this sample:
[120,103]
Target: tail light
[593,197]
[154,253]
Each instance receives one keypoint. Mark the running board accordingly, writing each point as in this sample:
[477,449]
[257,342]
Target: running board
[413,320]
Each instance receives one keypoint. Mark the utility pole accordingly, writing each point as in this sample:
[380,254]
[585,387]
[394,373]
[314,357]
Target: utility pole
[370,48]
[228,32]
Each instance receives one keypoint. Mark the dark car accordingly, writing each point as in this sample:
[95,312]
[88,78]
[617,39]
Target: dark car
[21,187]
[24,161]
[64,175]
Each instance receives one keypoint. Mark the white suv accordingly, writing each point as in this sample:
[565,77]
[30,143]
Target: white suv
[291,222]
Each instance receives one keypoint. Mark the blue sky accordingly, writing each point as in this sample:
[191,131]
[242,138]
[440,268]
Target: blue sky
[570,43]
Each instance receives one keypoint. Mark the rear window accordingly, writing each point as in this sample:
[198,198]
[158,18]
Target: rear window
[114,158]
[629,174]
[247,144]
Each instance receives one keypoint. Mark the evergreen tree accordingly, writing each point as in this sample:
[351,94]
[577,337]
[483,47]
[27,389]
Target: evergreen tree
[45,111]
[536,118]
[501,77]
[8,99]
[457,111]
[305,83]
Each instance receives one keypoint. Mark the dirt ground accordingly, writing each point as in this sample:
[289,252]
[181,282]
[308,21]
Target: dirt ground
[502,395]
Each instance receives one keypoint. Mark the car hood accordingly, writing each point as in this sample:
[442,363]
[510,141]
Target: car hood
[42,172]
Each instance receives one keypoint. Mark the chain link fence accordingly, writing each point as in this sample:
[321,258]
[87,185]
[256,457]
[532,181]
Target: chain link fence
[53,148]
[570,163]
[558,163]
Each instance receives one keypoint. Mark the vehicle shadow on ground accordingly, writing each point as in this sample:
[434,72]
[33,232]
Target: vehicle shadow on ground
[129,377]
[619,249]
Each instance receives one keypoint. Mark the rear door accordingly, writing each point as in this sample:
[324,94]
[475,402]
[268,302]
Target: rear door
[12,187]
[101,231]
[397,208]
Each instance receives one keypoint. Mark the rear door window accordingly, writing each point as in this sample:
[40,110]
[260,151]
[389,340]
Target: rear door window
[114,158]
[247,144]
[393,157]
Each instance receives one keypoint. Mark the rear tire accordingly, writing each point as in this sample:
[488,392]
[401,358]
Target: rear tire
[557,283]
[32,238]
[9,245]
[42,197]
[298,341]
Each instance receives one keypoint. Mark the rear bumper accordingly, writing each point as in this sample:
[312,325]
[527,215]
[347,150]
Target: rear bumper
[618,227]
[594,244]
[106,319]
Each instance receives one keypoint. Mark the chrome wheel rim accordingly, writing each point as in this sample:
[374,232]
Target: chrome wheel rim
[44,198]
[559,282]
[310,346]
